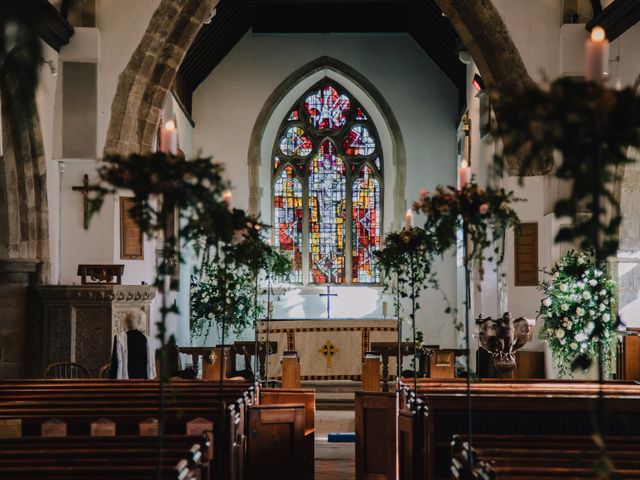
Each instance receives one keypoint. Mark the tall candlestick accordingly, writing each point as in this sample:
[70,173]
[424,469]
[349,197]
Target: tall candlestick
[169,138]
[596,56]
[464,173]
[408,219]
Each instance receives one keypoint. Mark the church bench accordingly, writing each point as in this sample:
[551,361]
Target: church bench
[97,457]
[306,397]
[511,407]
[508,457]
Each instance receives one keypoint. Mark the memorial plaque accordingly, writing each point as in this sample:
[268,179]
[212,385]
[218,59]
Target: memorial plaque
[198,426]
[149,427]
[103,428]
[53,428]
[11,428]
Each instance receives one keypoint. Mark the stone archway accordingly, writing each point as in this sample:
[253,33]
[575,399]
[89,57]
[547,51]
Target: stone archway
[145,81]
[398,152]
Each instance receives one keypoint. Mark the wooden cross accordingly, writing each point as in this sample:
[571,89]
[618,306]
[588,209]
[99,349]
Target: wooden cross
[85,189]
[329,350]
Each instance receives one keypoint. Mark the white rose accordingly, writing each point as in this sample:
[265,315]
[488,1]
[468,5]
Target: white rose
[606,317]
[580,260]
[589,328]
[580,311]
[586,295]
[569,324]
[602,292]
[602,307]
[581,337]
[564,307]
[559,333]
[593,282]
[573,346]
[563,287]
[546,302]
[597,273]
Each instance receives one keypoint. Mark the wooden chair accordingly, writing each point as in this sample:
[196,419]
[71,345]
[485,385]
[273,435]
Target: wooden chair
[66,370]
[104,371]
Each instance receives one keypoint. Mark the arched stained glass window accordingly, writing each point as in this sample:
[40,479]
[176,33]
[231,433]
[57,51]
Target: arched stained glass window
[328,188]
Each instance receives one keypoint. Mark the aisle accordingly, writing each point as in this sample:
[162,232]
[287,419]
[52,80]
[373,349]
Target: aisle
[334,460]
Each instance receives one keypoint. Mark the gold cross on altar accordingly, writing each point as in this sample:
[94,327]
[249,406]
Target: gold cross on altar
[85,189]
[329,350]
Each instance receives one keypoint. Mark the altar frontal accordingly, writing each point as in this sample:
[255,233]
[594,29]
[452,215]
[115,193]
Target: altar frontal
[328,349]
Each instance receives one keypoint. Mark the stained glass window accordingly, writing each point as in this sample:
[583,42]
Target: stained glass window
[327,216]
[294,142]
[327,188]
[366,227]
[358,142]
[287,212]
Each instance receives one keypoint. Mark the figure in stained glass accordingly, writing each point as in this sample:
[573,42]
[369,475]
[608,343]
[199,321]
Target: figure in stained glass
[327,198]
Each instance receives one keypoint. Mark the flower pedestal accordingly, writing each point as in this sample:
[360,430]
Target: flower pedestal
[553,372]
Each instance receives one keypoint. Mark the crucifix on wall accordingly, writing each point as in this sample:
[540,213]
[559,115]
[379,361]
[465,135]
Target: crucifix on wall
[85,189]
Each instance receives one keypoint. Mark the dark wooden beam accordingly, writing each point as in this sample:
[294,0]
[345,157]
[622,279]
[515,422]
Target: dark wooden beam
[52,27]
[617,18]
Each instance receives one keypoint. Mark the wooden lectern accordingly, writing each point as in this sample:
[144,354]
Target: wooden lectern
[290,370]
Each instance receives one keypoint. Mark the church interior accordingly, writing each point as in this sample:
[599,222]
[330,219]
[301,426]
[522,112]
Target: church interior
[330,239]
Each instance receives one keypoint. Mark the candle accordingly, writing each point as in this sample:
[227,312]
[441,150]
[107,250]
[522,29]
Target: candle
[385,307]
[596,56]
[408,219]
[169,138]
[227,197]
[464,173]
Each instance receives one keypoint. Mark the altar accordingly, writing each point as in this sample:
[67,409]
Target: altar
[328,349]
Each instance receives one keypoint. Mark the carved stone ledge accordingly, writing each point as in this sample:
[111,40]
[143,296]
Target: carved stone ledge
[76,323]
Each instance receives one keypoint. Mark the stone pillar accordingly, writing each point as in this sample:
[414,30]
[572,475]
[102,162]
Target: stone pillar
[15,278]
[77,323]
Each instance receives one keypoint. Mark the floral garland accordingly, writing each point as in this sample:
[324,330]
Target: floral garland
[407,256]
[486,214]
[593,128]
[222,292]
[578,310]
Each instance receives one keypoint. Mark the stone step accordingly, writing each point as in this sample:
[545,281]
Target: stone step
[338,421]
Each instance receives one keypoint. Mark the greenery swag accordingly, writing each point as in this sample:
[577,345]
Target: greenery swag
[485,214]
[593,128]
[578,311]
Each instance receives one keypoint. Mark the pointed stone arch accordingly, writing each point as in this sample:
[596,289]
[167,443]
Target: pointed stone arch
[398,152]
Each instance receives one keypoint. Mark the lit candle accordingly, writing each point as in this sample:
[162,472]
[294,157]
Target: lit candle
[169,138]
[464,173]
[596,56]
[408,219]
[227,197]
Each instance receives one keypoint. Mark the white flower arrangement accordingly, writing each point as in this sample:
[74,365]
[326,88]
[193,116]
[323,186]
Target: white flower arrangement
[578,306]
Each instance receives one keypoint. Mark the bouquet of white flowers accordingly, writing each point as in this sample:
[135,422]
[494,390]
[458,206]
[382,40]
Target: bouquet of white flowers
[578,311]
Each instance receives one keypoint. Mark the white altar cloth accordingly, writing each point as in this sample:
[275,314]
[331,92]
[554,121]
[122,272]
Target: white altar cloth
[328,349]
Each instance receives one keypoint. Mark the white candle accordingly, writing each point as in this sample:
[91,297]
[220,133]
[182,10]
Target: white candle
[169,138]
[596,56]
[464,174]
[385,307]
[227,197]
[408,219]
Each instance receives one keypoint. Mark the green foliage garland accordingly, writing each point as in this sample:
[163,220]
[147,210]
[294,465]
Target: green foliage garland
[592,127]
[486,214]
[578,309]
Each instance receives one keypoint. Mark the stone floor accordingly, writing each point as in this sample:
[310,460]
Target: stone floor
[334,461]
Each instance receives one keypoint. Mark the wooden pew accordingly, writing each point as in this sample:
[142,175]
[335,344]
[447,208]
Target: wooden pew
[298,396]
[505,456]
[522,406]
[127,403]
[184,457]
